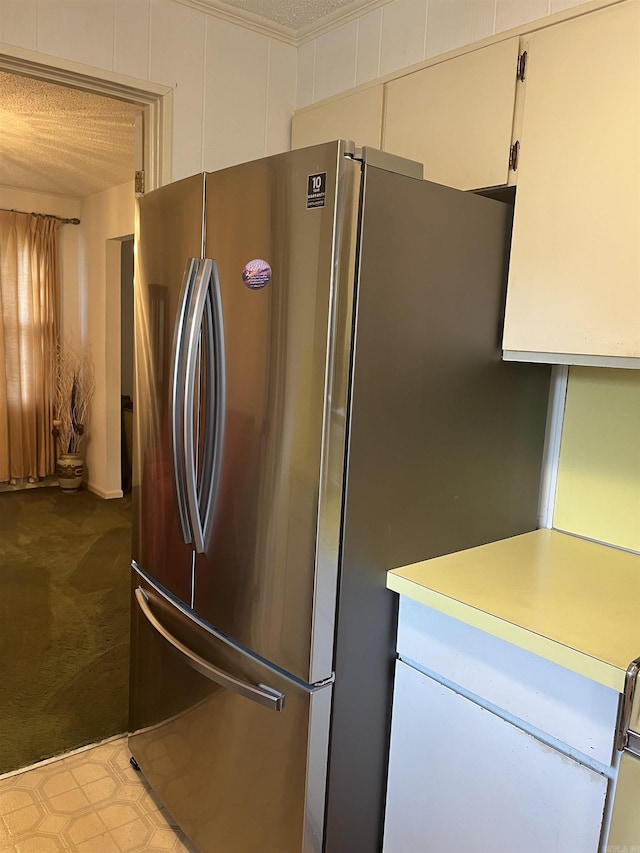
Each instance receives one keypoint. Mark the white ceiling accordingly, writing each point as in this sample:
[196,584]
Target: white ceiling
[294,15]
[63,141]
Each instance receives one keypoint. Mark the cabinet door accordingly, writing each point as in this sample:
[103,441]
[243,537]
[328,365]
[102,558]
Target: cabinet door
[357,117]
[574,281]
[462,778]
[456,117]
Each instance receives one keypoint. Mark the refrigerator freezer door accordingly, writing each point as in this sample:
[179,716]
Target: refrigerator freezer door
[282,231]
[168,250]
[236,752]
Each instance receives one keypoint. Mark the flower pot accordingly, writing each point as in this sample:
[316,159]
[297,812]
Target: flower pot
[69,469]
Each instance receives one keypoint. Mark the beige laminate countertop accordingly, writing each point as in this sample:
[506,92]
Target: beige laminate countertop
[572,601]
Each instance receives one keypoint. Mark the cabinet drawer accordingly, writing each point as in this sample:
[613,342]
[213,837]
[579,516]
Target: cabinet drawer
[577,711]
[461,778]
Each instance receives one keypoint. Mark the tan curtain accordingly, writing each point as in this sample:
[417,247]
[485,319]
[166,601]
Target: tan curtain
[29,320]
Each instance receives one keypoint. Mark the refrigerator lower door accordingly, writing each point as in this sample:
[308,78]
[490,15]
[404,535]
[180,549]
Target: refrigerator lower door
[235,751]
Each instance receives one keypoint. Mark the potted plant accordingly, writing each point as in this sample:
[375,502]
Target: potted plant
[73,392]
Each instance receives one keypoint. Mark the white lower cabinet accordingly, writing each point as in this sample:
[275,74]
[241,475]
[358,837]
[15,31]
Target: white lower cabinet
[462,778]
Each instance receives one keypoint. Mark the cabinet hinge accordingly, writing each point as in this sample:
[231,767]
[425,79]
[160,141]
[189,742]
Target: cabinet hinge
[139,182]
[514,153]
[521,69]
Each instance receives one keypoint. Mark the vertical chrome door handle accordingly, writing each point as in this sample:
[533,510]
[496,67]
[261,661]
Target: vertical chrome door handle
[177,395]
[204,340]
[212,341]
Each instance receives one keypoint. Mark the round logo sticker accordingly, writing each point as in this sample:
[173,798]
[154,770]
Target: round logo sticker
[256,274]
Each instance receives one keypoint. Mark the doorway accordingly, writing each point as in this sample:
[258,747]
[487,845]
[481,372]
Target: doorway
[152,106]
[64,584]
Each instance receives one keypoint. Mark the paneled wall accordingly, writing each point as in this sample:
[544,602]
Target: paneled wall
[402,33]
[598,493]
[234,89]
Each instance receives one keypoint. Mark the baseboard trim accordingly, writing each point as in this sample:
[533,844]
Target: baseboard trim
[103,493]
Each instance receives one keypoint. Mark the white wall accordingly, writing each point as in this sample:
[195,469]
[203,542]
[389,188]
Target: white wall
[233,89]
[107,217]
[402,33]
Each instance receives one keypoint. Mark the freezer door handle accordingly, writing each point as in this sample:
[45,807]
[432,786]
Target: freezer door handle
[177,394]
[260,693]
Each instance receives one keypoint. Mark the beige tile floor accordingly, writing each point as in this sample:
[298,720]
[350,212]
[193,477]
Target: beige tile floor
[90,802]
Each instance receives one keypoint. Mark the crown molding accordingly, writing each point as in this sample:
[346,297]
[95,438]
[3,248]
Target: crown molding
[245,19]
[336,19]
[251,21]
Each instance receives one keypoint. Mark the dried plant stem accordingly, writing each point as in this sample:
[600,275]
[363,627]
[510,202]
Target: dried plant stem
[74,387]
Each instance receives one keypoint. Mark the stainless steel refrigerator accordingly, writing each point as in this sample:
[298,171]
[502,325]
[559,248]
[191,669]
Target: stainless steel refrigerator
[320,397]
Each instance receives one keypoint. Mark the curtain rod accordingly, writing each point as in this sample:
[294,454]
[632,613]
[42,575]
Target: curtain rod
[64,221]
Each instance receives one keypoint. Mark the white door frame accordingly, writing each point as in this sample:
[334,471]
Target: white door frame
[155,100]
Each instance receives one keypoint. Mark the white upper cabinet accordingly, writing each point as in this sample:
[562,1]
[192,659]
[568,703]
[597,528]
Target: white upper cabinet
[357,117]
[456,117]
[574,280]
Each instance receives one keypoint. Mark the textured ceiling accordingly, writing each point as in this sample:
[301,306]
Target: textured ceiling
[63,141]
[294,14]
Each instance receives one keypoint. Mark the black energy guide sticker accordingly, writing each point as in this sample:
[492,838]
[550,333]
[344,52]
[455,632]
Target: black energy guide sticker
[316,189]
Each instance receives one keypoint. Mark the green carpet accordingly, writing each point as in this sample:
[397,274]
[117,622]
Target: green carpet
[64,622]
